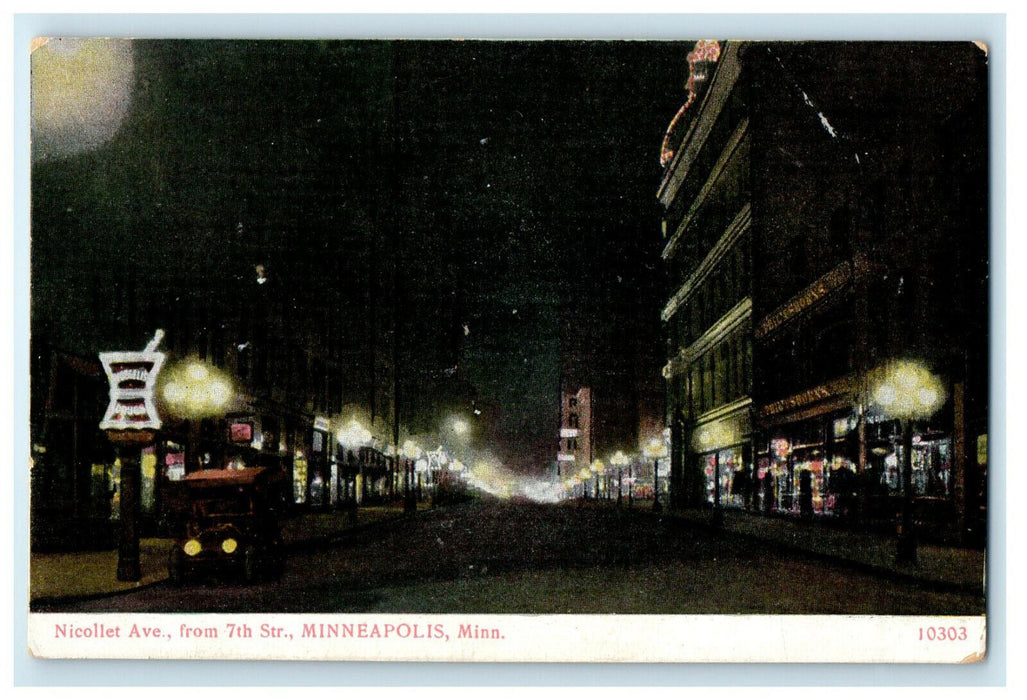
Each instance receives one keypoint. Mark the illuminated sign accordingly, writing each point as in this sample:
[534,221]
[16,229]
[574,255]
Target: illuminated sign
[829,283]
[241,432]
[569,432]
[706,52]
[564,457]
[779,447]
[132,377]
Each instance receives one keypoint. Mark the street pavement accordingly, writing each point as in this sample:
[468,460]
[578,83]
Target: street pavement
[73,575]
[83,575]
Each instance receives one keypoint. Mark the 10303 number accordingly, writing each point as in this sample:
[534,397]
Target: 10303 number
[942,634]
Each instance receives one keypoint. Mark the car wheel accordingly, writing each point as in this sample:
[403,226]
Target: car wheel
[176,566]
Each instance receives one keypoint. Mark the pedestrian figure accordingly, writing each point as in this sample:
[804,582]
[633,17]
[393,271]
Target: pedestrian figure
[805,495]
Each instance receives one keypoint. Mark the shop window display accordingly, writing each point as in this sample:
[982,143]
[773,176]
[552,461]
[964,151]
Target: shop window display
[932,463]
[731,474]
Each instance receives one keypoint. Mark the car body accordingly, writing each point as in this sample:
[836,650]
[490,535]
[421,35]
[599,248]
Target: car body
[231,526]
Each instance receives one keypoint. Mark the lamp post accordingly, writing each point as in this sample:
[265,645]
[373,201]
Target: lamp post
[656,449]
[599,469]
[192,391]
[908,391]
[619,460]
[352,437]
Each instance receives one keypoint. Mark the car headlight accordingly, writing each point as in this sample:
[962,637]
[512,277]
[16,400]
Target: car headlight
[192,547]
[229,546]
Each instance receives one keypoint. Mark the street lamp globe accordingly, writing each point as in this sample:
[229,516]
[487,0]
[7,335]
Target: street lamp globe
[353,435]
[907,391]
[194,390]
[619,459]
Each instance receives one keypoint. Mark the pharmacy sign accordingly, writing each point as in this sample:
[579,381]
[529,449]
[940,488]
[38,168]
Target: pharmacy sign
[133,379]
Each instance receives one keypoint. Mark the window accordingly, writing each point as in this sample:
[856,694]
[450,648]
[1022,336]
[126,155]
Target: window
[572,420]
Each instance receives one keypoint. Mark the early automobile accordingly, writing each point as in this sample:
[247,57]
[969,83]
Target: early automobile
[231,525]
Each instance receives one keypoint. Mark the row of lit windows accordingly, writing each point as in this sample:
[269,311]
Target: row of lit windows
[720,376]
[721,291]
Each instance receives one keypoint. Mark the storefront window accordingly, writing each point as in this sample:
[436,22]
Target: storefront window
[299,478]
[175,459]
[727,464]
[932,465]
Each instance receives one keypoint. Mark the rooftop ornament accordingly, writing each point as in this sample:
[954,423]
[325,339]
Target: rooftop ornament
[705,53]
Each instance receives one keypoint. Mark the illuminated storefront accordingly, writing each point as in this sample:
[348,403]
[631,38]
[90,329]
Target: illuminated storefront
[932,459]
[809,468]
[731,471]
[722,447]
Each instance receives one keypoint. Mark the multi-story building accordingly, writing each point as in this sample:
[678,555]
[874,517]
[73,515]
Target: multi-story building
[848,181]
[575,451]
[708,318]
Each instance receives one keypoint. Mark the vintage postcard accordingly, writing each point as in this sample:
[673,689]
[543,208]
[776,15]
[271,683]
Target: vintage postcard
[535,350]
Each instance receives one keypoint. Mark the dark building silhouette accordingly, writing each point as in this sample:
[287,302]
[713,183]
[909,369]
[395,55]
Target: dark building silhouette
[828,203]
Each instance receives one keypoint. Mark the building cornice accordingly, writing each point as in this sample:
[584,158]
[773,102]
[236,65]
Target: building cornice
[719,167]
[724,326]
[738,226]
[728,409]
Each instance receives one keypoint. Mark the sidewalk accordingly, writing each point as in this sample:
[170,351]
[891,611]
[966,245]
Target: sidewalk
[949,567]
[92,574]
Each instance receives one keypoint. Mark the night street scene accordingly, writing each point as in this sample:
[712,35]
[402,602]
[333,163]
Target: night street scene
[554,327]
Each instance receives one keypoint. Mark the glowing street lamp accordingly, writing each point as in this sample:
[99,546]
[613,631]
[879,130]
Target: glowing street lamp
[908,391]
[353,434]
[620,460]
[656,449]
[194,390]
[600,471]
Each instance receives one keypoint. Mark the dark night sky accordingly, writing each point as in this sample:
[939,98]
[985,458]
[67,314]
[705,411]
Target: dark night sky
[518,178]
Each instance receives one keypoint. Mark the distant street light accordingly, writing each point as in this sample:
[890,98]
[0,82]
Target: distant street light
[619,460]
[908,391]
[600,471]
[656,449]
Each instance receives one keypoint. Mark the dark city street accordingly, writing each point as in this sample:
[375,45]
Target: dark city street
[536,327]
[498,557]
